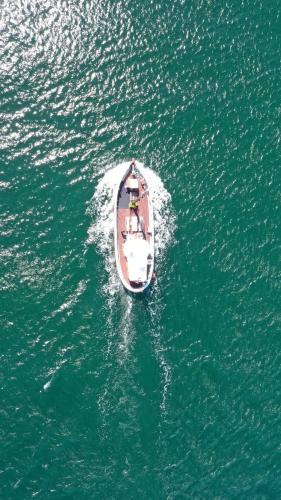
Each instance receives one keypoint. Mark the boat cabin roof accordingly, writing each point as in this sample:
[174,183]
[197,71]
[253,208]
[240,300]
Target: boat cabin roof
[136,252]
[132,184]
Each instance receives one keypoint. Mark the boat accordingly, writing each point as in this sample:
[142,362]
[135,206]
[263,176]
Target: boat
[133,230]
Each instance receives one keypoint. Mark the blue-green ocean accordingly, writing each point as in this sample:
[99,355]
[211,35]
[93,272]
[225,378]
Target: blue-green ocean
[175,394]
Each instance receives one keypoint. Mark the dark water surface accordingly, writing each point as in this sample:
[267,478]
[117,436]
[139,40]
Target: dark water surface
[175,395]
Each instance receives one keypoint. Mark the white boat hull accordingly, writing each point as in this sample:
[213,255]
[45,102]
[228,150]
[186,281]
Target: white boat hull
[134,231]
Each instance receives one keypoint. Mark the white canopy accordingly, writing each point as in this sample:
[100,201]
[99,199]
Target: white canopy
[136,251]
[133,184]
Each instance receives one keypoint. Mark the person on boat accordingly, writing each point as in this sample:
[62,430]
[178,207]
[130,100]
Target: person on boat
[133,205]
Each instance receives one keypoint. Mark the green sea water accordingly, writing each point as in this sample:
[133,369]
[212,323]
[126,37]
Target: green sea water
[175,394]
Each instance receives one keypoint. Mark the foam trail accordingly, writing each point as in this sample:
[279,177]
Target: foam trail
[126,327]
[72,299]
[155,309]
[52,374]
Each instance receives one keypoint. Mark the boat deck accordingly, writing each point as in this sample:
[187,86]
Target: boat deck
[133,223]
